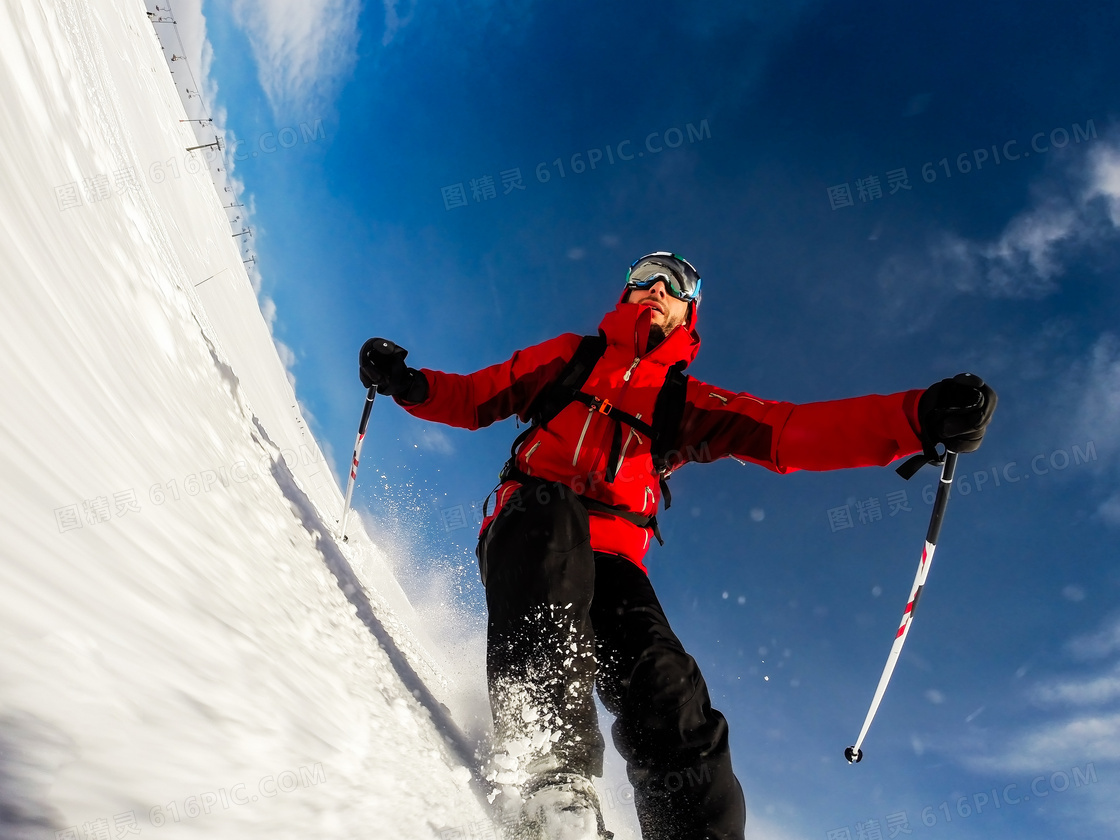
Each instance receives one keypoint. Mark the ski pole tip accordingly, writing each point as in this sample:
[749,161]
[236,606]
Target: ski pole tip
[853,755]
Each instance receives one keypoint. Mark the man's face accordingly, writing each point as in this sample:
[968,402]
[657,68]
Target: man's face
[668,311]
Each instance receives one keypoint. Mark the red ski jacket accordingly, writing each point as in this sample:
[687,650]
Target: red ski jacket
[573,449]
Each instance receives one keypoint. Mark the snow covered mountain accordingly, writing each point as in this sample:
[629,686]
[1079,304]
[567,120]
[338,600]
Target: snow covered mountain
[186,647]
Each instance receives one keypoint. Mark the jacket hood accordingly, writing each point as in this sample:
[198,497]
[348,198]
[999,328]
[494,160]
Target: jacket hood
[627,326]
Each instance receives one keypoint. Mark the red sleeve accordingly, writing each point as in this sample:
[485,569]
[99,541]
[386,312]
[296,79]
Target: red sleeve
[474,400]
[782,436]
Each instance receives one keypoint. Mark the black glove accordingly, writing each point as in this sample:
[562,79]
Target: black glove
[955,412]
[381,365]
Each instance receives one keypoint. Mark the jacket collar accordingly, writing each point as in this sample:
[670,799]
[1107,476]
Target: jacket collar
[627,327]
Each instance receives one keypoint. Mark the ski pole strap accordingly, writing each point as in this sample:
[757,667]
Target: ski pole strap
[929,455]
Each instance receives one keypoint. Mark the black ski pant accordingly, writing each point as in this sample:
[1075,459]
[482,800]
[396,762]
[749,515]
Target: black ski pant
[563,618]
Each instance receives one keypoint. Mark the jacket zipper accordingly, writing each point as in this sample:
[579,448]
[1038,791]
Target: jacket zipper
[622,392]
[579,443]
[529,454]
[625,446]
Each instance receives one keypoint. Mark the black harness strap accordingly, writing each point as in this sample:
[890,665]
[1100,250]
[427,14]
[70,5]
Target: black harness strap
[532,481]
[607,408]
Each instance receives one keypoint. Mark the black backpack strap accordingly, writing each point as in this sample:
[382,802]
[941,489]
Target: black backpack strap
[667,414]
[552,398]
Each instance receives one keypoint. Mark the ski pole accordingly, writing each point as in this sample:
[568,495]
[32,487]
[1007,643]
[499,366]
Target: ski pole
[354,460]
[948,465]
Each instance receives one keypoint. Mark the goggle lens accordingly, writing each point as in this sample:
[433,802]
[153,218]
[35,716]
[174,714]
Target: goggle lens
[681,279]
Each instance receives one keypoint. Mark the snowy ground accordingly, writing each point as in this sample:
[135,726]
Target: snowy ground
[185,646]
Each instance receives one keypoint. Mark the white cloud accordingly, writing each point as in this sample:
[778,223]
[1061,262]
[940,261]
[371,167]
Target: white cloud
[1021,262]
[1109,509]
[268,310]
[1090,728]
[1057,745]
[1027,259]
[1106,181]
[917,745]
[1073,592]
[1098,645]
[1094,691]
[287,358]
[1099,389]
[1101,402]
[433,439]
[303,48]
[393,19]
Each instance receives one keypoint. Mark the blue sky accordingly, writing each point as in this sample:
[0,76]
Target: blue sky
[1006,269]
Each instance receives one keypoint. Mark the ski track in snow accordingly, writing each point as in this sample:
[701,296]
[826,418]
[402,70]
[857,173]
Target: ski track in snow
[214,655]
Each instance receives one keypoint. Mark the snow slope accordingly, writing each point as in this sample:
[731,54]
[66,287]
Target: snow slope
[186,649]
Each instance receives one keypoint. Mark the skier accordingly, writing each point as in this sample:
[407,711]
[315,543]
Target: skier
[561,552]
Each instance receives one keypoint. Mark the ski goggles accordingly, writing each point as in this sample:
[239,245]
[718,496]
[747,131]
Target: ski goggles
[681,280]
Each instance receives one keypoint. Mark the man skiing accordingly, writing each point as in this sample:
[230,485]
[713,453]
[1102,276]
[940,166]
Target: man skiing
[560,554]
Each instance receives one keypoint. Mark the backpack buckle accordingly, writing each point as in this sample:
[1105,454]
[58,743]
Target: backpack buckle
[603,406]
